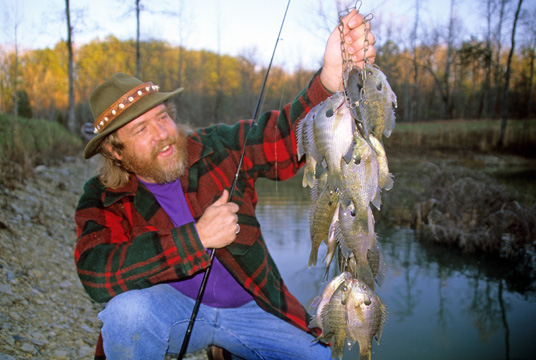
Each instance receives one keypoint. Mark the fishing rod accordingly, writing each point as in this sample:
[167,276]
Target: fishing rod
[195,310]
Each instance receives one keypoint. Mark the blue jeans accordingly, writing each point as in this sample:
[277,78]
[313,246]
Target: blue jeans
[147,324]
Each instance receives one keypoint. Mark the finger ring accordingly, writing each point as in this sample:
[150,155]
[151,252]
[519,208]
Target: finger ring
[237,229]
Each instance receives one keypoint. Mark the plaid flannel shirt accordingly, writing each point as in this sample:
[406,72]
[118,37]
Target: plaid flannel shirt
[126,240]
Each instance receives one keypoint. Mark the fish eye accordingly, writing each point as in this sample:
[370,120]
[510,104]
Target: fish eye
[379,86]
[329,113]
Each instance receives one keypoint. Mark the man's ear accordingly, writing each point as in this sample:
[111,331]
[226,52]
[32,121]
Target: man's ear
[113,152]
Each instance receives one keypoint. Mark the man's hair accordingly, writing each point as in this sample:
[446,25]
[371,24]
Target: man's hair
[111,171]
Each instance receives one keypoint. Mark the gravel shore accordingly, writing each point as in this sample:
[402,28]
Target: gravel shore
[44,311]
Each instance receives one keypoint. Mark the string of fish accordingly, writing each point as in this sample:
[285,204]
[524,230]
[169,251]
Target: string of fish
[346,169]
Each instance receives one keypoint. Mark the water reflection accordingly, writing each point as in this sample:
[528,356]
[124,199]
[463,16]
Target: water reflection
[442,305]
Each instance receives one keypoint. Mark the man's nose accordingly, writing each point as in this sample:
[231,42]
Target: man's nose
[160,132]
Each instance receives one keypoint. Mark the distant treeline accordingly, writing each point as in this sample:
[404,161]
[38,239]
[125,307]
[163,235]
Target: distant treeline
[221,88]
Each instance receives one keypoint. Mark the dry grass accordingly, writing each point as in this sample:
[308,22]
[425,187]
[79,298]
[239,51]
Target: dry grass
[463,208]
[26,143]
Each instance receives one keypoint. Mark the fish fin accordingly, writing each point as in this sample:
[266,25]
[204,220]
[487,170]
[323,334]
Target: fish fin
[299,139]
[314,304]
[344,200]
[349,154]
[334,180]
[362,129]
[308,177]
[350,343]
[330,254]
[323,162]
[377,201]
[337,352]
[377,262]
[315,323]
[378,335]
[365,274]
[313,258]
[389,183]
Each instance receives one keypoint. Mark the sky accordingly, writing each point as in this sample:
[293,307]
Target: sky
[233,27]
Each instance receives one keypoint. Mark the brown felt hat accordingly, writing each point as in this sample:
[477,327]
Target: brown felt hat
[118,101]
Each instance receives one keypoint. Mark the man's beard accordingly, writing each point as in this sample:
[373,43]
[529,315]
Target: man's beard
[161,171]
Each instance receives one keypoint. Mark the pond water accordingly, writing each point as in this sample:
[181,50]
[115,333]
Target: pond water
[441,304]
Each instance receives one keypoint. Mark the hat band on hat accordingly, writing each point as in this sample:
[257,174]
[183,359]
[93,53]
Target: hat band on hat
[122,104]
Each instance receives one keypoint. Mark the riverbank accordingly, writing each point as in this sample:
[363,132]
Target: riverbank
[44,311]
[478,203]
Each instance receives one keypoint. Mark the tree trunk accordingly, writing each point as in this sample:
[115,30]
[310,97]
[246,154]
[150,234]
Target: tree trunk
[15,77]
[498,59]
[450,51]
[414,114]
[507,78]
[532,57]
[71,121]
[138,64]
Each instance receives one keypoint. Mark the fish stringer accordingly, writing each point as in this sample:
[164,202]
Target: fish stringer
[354,78]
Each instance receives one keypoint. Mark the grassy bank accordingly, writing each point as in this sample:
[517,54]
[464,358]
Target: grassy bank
[466,135]
[456,188]
[26,143]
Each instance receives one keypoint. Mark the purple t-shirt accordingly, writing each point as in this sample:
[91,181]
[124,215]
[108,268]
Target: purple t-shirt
[222,289]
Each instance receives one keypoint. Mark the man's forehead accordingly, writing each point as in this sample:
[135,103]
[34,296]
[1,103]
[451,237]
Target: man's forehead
[155,111]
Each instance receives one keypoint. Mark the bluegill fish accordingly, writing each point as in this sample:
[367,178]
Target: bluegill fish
[385,178]
[334,329]
[359,180]
[372,100]
[350,235]
[319,302]
[304,139]
[366,317]
[321,218]
[332,129]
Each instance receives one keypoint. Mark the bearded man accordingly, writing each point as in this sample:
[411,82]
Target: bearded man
[147,223]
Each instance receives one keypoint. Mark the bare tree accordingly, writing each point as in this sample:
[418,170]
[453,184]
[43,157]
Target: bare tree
[507,78]
[414,108]
[498,42]
[483,106]
[138,56]
[183,20]
[529,28]
[13,21]
[71,121]
[444,80]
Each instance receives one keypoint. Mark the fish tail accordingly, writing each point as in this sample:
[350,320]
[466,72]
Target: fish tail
[337,351]
[308,176]
[364,273]
[334,180]
[365,355]
[313,257]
